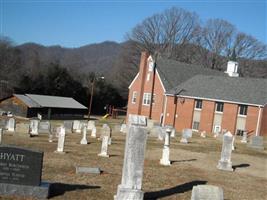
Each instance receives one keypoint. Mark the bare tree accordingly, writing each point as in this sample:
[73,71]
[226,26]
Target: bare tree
[163,32]
[246,46]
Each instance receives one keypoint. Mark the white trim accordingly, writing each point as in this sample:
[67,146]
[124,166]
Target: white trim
[258,122]
[218,100]
[244,116]
[146,94]
[164,112]
[133,80]
[160,80]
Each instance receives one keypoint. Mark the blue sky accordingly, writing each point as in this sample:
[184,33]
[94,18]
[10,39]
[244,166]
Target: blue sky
[72,23]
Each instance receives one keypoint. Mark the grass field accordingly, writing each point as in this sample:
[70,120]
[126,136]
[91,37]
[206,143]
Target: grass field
[192,164]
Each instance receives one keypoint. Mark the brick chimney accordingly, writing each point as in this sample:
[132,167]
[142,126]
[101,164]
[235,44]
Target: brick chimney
[142,74]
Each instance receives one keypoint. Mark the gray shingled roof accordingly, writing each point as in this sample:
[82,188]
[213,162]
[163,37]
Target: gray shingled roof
[28,101]
[55,101]
[173,73]
[234,89]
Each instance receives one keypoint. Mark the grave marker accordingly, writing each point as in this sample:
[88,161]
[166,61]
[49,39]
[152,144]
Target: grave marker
[90,125]
[104,147]
[207,192]
[34,124]
[93,134]
[245,137]
[11,124]
[134,155]
[256,142]
[187,133]
[77,126]
[44,127]
[225,161]
[21,171]
[68,126]
[61,140]
[165,160]
[84,140]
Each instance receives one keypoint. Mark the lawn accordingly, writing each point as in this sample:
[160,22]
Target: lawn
[192,164]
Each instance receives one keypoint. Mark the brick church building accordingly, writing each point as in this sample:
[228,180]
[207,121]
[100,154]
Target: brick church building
[188,96]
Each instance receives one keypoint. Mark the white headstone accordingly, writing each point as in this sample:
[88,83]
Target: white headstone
[256,142]
[50,136]
[187,133]
[245,137]
[132,174]
[11,125]
[77,126]
[165,160]
[203,134]
[207,192]
[173,132]
[84,140]
[44,126]
[34,124]
[105,131]
[225,161]
[233,143]
[137,120]
[104,147]
[90,125]
[93,133]
[123,128]
[61,140]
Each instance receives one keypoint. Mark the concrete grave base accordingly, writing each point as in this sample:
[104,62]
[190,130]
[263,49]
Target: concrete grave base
[184,140]
[224,165]
[128,194]
[88,170]
[39,192]
[60,152]
[103,155]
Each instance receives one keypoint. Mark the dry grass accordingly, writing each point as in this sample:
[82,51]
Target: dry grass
[193,163]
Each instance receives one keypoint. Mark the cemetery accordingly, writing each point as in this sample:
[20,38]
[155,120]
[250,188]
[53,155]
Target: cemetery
[107,159]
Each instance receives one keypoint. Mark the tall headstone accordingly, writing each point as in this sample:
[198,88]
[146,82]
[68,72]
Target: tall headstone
[1,135]
[84,139]
[104,147]
[11,125]
[134,155]
[34,124]
[93,133]
[207,192]
[165,160]
[245,137]
[225,161]
[61,140]
[187,133]
[256,142]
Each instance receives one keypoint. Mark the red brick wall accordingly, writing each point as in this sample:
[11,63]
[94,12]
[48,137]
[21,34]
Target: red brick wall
[185,114]
[229,117]
[207,116]
[169,111]
[263,130]
[141,85]
[252,119]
